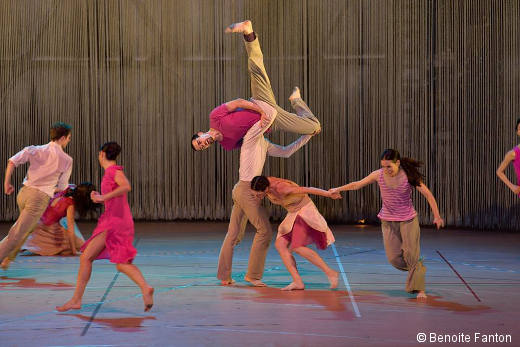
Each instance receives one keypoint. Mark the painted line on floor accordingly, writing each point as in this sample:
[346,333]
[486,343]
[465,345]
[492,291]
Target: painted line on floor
[345,280]
[462,279]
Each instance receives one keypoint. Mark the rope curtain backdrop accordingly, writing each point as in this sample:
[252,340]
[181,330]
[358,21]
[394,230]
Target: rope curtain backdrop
[439,80]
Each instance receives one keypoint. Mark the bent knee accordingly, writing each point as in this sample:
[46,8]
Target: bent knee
[85,257]
[398,263]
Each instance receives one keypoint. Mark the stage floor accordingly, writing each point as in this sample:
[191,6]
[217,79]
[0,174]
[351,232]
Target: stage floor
[191,309]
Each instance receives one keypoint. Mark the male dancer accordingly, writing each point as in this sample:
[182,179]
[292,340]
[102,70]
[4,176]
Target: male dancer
[49,171]
[253,151]
[230,121]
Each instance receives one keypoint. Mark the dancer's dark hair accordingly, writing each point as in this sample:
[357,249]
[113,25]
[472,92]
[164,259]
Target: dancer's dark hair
[81,196]
[409,165]
[111,149]
[259,183]
[194,137]
[517,122]
[60,129]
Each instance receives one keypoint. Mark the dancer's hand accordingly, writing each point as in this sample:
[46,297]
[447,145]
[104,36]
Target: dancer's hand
[439,222]
[8,188]
[516,189]
[96,197]
[334,191]
[334,196]
[264,120]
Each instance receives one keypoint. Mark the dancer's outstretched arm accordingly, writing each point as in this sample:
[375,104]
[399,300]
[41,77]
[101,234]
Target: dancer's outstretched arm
[275,150]
[510,156]
[310,190]
[358,184]
[437,220]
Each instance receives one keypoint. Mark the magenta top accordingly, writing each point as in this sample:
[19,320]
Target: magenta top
[516,164]
[397,202]
[55,212]
[116,221]
[232,125]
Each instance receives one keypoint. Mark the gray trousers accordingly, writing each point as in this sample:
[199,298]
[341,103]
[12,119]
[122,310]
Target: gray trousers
[32,203]
[246,206]
[303,122]
[402,246]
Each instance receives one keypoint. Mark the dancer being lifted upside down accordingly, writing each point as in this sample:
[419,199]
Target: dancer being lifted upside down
[112,239]
[302,226]
[254,148]
[401,233]
[230,121]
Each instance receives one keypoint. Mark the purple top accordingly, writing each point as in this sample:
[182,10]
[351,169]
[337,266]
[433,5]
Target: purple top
[397,202]
[516,164]
[232,125]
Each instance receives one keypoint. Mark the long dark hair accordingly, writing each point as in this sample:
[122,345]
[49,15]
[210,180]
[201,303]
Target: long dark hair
[409,165]
[111,149]
[517,122]
[81,196]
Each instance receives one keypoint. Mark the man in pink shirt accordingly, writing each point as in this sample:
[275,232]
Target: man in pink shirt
[49,171]
[230,121]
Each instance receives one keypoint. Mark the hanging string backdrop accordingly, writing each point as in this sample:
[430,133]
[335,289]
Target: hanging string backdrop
[439,81]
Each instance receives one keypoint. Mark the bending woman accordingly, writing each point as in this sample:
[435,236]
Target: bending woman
[401,233]
[511,156]
[302,226]
[50,237]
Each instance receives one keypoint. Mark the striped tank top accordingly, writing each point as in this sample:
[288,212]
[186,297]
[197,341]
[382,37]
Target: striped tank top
[397,202]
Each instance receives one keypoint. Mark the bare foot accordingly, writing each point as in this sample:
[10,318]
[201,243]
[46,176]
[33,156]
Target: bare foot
[421,296]
[69,305]
[295,94]
[5,263]
[227,282]
[148,299]
[245,27]
[333,280]
[294,286]
[255,283]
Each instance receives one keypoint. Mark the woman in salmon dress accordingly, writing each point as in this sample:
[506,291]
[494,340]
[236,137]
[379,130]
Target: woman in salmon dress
[303,225]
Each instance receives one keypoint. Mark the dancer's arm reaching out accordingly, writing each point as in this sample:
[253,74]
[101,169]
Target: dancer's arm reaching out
[437,220]
[290,189]
[510,156]
[358,184]
[123,187]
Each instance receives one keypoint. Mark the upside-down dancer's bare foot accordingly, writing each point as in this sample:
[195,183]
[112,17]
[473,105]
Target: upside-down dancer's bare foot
[5,263]
[421,296]
[333,280]
[227,282]
[295,94]
[148,299]
[255,283]
[245,27]
[69,305]
[294,286]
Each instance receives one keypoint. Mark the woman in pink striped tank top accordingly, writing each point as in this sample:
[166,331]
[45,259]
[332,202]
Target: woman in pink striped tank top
[511,156]
[401,233]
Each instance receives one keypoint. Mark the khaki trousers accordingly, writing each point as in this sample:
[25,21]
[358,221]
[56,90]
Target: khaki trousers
[303,122]
[403,249]
[32,203]
[246,207]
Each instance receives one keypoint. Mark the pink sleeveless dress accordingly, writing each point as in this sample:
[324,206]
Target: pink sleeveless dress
[516,164]
[117,221]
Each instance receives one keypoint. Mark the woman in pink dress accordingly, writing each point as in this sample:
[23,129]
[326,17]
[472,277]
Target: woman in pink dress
[401,233]
[113,237]
[514,157]
[50,237]
[303,225]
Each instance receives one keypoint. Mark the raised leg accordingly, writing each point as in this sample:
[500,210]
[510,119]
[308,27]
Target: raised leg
[315,259]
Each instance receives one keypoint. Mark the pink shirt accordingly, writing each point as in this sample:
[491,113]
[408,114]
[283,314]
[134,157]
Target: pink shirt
[232,125]
[397,202]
